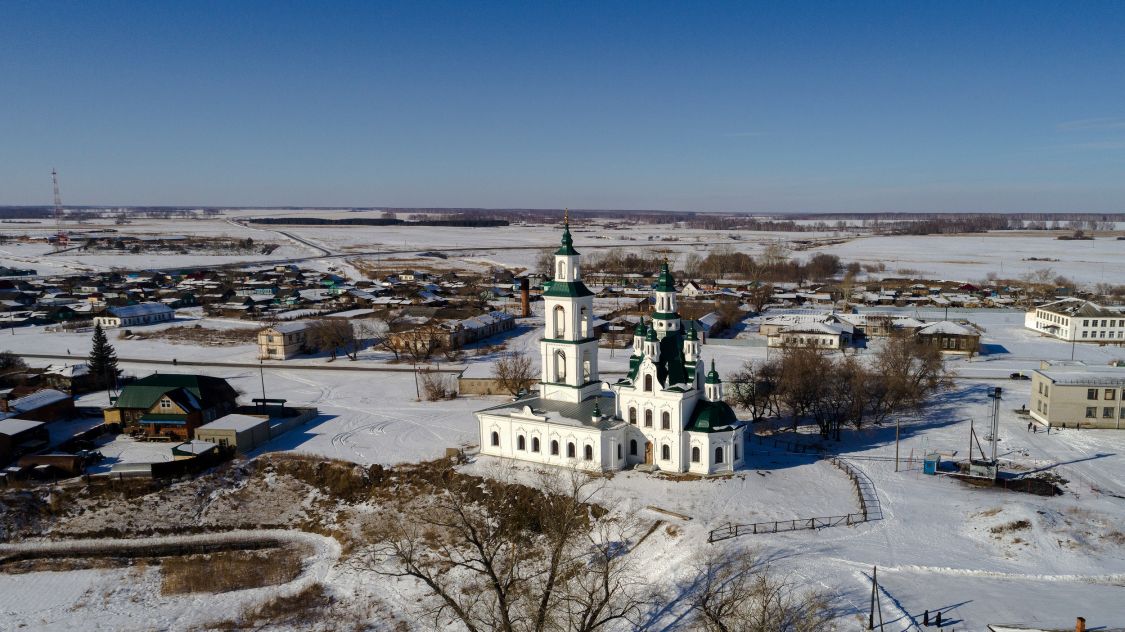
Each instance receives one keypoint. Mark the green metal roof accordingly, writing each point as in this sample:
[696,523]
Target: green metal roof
[567,247]
[665,283]
[713,375]
[567,289]
[146,391]
[711,417]
[639,330]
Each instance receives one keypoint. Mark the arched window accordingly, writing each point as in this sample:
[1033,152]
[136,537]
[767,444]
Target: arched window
[560,321]
[521,444]
[584,322]
[560,365]
[554,448]
[569,450]
[695,454]
[633,416]
[665,420]
[665,452]
[648,383]
[495,438]
[588,453]
[535,444]
[648,419]
[736,452]
[633,447]
[587,368]
[618,451]
[718,455]
[562,270]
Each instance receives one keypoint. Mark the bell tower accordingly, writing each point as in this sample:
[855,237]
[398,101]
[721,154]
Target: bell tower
[569,348]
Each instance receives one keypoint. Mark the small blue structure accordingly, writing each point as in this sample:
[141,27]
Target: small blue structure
[931,463]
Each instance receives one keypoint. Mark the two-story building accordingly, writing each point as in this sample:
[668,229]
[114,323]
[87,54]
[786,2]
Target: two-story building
[1067,395]
[283,341]
[1076,320]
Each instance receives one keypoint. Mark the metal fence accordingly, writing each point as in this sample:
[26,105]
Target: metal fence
[868,505]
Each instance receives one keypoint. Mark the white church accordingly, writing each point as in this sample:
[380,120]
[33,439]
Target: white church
[667,414]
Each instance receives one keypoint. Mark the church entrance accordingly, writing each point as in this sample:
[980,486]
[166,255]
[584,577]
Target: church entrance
[648,453]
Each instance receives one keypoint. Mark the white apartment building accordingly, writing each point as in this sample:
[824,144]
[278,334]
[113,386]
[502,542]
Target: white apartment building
[1077,320]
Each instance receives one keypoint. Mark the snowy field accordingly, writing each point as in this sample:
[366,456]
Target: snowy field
[965,258]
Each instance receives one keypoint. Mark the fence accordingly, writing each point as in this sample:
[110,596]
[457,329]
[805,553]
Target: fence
[869,509]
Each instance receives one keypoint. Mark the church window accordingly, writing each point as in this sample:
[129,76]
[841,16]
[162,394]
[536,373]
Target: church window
[648,419]
[588,453]
[648,383]
[495,438]
[665,420]
[535,444]
[619,452]
[695,455]
[584,322]
[569,450]
[665,452]
[521,444]
[560,321]
[633,447]
[560,366]
[562,271]
[554,448]
[736,452]
[633,415]
[718,455]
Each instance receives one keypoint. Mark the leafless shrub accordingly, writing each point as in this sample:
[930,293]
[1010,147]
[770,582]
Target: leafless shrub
[513,373]
[1015,525]
[738,594]
[435,386]
[229,570]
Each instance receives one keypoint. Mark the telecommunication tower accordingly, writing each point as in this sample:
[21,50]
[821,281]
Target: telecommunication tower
[61,239]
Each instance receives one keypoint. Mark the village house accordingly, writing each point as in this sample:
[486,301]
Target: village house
[21,436]
[171,404]
[1076,395]
[952,338]
[36,404]
[283,341]
[135,315]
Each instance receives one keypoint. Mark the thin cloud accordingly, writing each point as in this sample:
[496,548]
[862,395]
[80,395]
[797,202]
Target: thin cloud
[1093,124]
[1096,145]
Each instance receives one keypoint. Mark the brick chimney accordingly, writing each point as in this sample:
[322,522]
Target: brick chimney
[1080,625]
[4,402]
[525,300]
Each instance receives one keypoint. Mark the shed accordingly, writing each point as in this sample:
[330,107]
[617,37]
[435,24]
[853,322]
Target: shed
[192,449]
[242,432]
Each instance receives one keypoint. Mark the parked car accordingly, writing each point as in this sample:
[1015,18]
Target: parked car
[1019,376]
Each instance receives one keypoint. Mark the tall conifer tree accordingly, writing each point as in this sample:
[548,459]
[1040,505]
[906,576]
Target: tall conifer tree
[103,358]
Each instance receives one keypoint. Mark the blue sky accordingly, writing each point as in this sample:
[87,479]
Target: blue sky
[764,107]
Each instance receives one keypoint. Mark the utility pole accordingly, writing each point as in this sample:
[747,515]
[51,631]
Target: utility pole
[875,599]
[262,373]
[898,424]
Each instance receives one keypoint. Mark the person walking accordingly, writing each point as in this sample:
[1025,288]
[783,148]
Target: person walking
[1029,424]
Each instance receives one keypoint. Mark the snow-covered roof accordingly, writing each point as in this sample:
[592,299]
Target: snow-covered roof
[195,447]
[73,370]
[38,399]
[1084,375]
[12,427]
[290,328]
[946,328]
[235,422]
[140,309]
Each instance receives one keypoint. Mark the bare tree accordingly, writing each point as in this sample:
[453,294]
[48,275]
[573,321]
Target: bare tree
[333,334]
[736,593]
[514,373]
[495,555]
